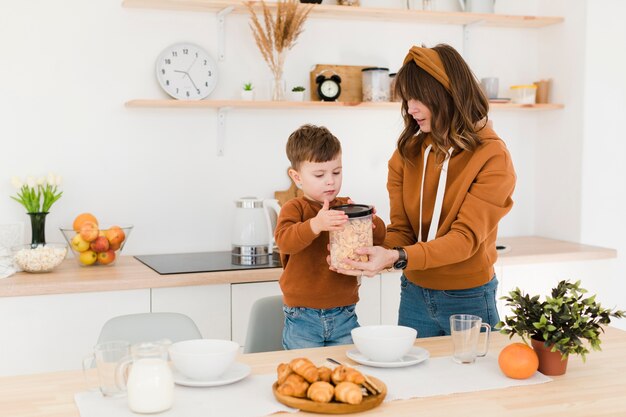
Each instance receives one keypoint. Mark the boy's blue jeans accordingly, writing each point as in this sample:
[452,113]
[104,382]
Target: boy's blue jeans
[310,327]
[428,311]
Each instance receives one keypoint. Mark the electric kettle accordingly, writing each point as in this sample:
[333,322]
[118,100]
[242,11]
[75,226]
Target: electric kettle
[252,235]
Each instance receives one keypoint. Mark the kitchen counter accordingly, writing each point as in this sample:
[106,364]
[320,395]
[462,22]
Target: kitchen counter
[128,273]
[594,388]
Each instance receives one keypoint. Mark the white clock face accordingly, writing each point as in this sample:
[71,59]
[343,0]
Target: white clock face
[329,88]
[186,72]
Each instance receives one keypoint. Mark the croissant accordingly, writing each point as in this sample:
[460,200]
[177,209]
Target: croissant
[321,392]
[324,373]
[348,392]
[283,371]
[294,386]
[305,368]
[345,373]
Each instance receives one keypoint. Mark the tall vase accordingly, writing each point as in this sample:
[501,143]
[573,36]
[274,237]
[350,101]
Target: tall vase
[277,89]
[38,227]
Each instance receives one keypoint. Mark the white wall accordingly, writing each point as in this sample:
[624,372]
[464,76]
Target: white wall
[604,144]
[68,67]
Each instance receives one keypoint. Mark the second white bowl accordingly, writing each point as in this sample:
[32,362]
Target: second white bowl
[384,343]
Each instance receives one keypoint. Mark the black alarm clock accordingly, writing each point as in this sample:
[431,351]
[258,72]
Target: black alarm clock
[328,88]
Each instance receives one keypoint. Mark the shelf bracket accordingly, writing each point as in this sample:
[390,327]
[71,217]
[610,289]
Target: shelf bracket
[221,129]
[466,33]
[221,38]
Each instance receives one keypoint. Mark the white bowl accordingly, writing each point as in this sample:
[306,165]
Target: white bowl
[203,359]
[384,343]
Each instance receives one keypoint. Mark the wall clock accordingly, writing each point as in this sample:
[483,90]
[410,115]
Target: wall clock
[328,89]
[186,71]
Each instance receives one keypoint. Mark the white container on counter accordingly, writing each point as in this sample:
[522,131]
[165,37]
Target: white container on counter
[357,233]
[524,94]
[375,84]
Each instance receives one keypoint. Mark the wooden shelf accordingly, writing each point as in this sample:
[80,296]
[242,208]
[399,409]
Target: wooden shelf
[220,104]
[361,13]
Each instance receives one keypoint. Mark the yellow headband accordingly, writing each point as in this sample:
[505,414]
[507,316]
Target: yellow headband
[428,59]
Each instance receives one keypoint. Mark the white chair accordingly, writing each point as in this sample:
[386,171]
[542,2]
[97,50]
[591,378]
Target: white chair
[149,327]
[265,327]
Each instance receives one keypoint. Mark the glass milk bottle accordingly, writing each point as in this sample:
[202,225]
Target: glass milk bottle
[357,233]
[150,384]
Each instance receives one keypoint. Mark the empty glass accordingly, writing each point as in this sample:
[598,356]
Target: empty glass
[105,358]
[465,329]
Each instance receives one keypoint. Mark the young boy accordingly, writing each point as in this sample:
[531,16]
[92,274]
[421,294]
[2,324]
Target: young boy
[318,303]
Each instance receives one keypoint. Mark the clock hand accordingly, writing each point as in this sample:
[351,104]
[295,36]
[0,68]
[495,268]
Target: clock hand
[194,84]
[194,61]
[184,72]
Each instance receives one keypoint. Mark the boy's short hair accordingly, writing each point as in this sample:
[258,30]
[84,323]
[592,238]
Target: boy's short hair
[310,143]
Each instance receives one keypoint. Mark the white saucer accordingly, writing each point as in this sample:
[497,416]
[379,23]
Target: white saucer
[235,373]
[415,356]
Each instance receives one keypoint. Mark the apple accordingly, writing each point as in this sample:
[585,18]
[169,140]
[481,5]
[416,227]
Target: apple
[88,257]
[79,244]
[106,257]
[115,236]
[100,244]
[89,231]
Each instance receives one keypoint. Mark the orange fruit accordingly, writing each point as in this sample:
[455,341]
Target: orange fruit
[518,361]
[81,219]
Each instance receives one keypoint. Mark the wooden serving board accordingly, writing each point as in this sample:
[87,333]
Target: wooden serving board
[332,407]
[351,84]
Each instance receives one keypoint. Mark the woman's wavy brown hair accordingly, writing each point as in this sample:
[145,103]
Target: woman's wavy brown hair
[457,115]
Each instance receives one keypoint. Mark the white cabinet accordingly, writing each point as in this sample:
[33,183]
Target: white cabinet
[368,308]
[390,297]
[243,296]
[207,305]
[45,333]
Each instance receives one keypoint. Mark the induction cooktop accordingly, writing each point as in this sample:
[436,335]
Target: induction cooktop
[188,263]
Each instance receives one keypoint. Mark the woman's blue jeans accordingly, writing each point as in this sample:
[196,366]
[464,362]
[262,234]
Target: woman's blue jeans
[428,311]
[310,327]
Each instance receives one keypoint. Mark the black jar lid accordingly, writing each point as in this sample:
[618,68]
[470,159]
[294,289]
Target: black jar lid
[375,69]
[355,210]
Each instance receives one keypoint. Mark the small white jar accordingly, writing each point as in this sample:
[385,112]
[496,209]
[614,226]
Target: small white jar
[524,94]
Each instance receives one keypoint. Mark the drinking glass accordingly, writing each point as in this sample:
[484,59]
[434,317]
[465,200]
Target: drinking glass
[105,358]
[465,329]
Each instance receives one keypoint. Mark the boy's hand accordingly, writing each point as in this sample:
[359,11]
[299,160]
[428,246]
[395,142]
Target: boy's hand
[327,220]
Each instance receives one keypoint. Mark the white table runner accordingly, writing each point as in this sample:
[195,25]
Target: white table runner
[442,376]
[253,396]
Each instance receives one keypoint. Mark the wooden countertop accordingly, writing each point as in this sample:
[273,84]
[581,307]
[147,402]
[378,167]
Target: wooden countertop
[128,273]
[594,388]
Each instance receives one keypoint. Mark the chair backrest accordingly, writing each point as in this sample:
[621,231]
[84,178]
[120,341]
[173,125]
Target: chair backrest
[149,327]
[265,327]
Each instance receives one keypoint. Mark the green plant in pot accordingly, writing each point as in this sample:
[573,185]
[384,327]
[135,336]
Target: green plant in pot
[557,325]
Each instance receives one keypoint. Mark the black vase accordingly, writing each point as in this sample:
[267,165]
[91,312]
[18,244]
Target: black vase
[38,227]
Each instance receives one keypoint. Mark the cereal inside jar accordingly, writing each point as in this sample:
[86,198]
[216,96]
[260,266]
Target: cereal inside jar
[357,233]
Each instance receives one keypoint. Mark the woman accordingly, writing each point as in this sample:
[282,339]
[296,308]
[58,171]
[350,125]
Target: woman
[450,182]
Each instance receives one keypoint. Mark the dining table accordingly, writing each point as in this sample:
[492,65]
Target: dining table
[595,387]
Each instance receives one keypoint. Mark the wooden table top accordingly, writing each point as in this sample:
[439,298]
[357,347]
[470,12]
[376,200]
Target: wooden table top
[594,388]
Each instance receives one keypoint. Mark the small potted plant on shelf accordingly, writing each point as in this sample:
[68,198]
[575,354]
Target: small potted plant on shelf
[297,93]
[248,92]
[558,325]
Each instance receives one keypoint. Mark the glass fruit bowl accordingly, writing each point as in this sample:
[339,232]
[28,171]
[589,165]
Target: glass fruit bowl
[97,246]
[43,257]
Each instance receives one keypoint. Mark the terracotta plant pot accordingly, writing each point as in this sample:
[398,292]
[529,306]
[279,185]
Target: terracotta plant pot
[550,363]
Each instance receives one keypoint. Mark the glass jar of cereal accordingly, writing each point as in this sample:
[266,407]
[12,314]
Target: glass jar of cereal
[357,233]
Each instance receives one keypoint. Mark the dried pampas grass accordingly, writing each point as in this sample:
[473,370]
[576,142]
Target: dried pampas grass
[277,34]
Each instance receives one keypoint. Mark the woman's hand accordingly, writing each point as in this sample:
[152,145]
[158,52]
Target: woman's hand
[379,260]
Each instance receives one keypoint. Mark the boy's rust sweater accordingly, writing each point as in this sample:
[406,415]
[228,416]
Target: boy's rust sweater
[478,194]
[306,280]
